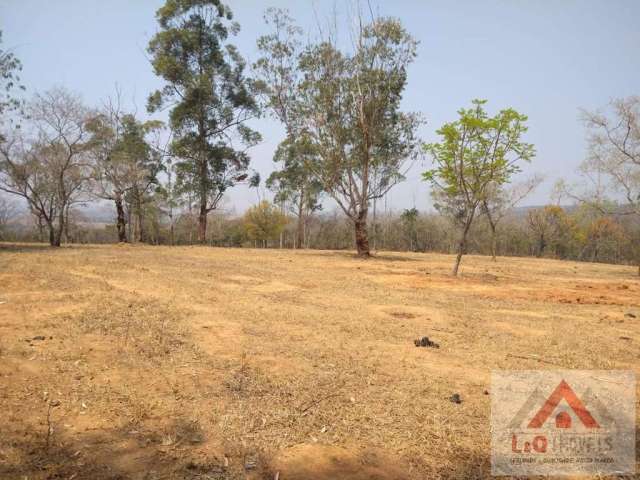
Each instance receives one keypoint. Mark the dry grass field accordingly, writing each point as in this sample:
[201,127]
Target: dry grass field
[135,362]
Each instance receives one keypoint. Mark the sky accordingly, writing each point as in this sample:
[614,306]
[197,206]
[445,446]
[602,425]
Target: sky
[545,58]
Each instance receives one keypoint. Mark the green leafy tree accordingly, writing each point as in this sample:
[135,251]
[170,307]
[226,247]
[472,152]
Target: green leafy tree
[264,222]
[477,153]
[293,183]
[351,109]
[409,219]
[347,104]
[125,167]
[211,98]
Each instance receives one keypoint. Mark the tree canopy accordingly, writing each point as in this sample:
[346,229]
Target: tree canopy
[347,104]
[210,96]
[476,153]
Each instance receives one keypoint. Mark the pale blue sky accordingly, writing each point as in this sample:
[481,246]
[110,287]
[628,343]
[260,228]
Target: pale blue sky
[547,59]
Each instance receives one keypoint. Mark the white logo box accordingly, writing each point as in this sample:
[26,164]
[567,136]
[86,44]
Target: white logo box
[563,422]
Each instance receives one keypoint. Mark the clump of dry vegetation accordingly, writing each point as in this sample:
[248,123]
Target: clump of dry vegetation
[144,327]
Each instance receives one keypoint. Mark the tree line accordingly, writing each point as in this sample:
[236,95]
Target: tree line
[346,139]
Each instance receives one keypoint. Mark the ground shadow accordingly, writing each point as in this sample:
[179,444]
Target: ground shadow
[352,255]
[24,247]
[42,247]
[114,454]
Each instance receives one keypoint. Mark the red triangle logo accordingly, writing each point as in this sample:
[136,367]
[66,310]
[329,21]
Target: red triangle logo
[563,420]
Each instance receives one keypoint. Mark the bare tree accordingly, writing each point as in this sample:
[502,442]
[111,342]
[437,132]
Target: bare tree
[499,202]
[48,167]
[611,171]
[614,149]
[8,211]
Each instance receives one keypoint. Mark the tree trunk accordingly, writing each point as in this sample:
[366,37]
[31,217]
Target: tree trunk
[121,223]
[493,226]
[57,238]
[362,237]
[129,223]
[375,228]
[203,172]
[171,227]
[456,265]
[202,224]
[300,233]
[494,244]
[300,226]
[462,244]
[40,229]
[52,235]
[67,237]
[141,234]
[541,245]
[55,234]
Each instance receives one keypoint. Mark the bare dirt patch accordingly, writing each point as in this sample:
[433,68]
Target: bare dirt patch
[200,363]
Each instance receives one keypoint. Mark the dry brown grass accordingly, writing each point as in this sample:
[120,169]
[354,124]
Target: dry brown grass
[202,363]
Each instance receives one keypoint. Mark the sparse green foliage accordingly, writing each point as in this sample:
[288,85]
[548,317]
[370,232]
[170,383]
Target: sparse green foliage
[477,153]
[278,68]
[10,68]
